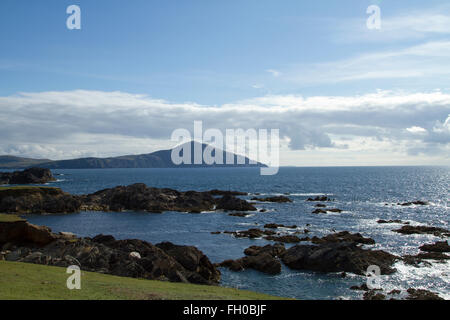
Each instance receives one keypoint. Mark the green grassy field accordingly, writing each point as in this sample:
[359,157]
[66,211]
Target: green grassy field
[39,282]
[10,218]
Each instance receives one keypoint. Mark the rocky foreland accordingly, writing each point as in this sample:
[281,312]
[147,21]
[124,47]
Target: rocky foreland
[47,200]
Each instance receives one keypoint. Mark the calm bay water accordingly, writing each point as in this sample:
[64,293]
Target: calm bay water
[362,192]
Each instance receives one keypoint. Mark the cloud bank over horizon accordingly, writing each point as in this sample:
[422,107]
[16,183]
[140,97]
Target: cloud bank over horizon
[383,127]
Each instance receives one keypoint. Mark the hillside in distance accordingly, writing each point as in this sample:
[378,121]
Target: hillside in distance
[13,162]
[158,159]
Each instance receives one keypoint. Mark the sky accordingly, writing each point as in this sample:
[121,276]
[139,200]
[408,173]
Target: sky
[339,92]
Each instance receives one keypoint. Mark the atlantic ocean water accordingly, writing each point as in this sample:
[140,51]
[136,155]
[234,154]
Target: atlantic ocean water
[366,194]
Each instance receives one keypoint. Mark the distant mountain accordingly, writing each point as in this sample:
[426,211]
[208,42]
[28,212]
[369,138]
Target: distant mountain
[158,159]
[12,162]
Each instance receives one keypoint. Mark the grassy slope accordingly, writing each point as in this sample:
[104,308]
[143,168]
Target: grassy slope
[32,281]
[9,218]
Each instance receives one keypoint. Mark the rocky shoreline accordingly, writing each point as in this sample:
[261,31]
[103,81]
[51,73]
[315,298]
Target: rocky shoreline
[21,241]
[338,252]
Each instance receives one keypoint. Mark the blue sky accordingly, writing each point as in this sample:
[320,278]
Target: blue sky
[220,53]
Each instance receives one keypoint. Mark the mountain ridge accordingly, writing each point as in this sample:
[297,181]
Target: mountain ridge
[157,159]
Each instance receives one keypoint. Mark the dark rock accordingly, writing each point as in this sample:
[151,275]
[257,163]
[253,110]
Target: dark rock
[262,259]
[362,287]
[273,199]
[193,260]
[28,176]
[319,198]
[436,247]
[216,192]
[284,239]
[127,258]
[381,221]
[418,259]
[421,294]
[139,197]
[275,226]
[417,203]
[37,200]
[334,210]
[228,202]
[239,214]
[320,205]
[275,250]
[252,233]
[24,233]
[337,257]
[423,230]
[343,236]
[395,291]
[373,295]
[233,265]
[318,211]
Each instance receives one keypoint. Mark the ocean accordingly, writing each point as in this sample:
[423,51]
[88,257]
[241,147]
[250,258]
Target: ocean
[366,194]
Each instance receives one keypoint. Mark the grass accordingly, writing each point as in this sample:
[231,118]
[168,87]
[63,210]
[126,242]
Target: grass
[10,218]
[38,282]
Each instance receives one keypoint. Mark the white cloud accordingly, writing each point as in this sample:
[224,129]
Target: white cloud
[409,25]
[422,61]
[415,129]
[94,123]
[274,72]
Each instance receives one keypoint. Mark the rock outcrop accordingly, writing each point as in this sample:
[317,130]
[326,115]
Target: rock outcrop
[337,257]
[263,259]
[38,200]
[23,242]
[139,197]
[28,176]
[24,233]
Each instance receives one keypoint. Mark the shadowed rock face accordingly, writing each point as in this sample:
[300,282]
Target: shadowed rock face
[23,232]
[28,176]
[337,257]
[23,242]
